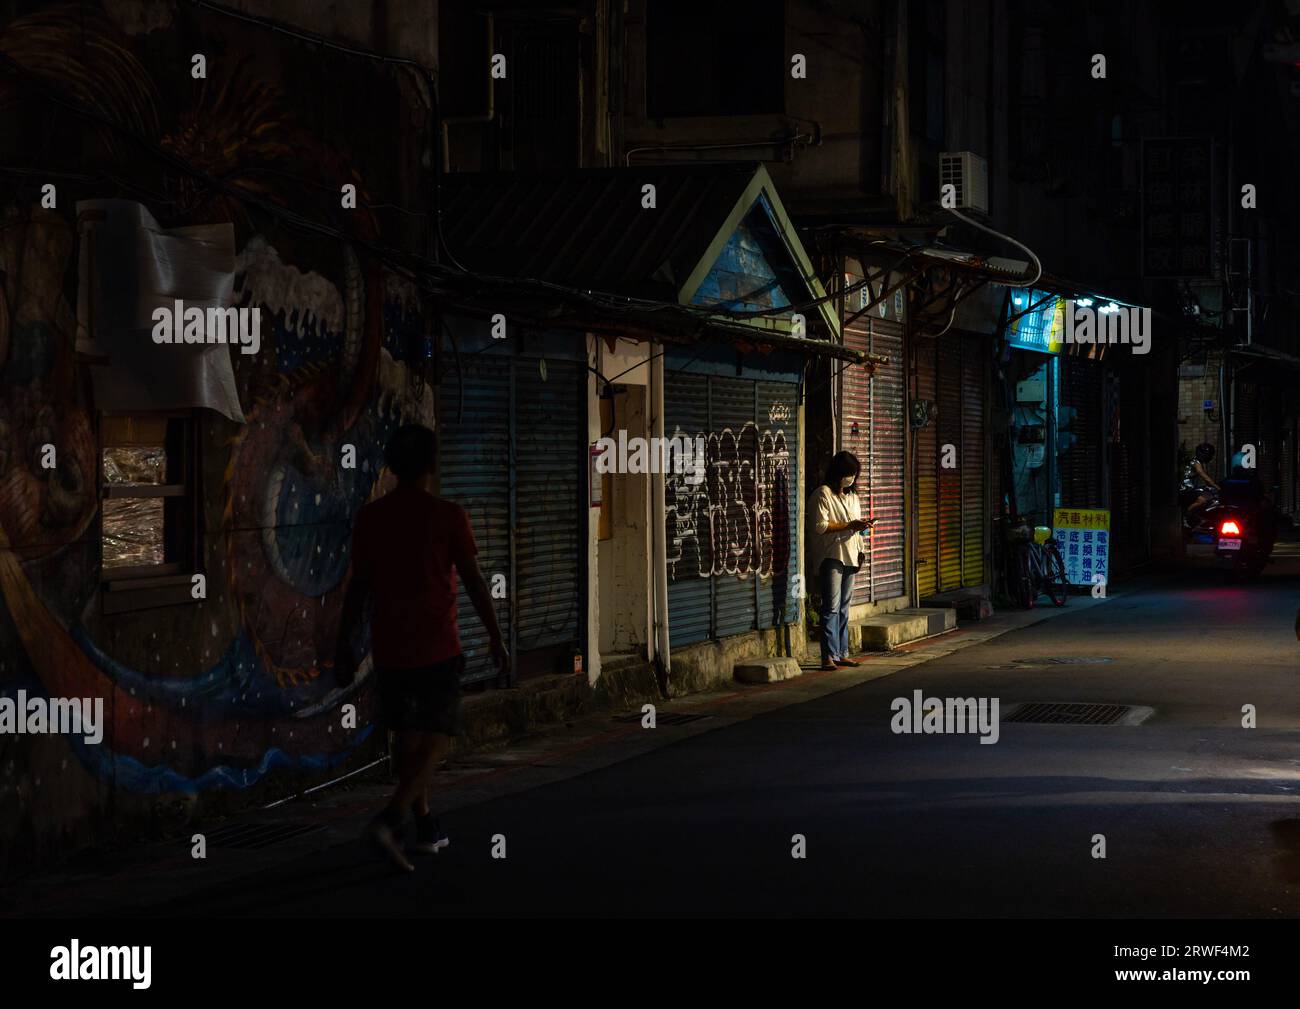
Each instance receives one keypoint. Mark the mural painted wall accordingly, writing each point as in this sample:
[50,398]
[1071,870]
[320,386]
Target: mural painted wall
[226,698]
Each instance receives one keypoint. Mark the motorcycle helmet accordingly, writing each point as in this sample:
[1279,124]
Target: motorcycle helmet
[1204,452]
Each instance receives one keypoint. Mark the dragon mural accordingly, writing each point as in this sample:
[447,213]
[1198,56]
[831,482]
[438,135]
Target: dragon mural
[330,374]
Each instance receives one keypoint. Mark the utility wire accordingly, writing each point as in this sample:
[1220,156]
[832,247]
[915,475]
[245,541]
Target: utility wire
[1038,266]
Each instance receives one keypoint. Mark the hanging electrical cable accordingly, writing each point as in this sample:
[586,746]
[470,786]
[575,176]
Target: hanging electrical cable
[1038,266]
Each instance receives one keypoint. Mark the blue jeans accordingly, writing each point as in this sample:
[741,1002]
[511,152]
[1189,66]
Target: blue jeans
[836,584]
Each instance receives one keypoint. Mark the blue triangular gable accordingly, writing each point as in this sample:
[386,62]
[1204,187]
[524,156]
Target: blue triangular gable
[754,271]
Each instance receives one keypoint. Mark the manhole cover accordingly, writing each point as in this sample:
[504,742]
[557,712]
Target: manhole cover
[255,836]
[663,717]
[1045,713]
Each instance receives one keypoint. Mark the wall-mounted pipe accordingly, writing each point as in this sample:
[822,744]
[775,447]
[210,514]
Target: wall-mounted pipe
[791,142]
[659,524]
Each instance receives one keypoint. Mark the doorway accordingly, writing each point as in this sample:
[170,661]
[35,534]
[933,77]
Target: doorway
[623,538]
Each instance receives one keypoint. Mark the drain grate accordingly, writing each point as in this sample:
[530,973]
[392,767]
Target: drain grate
[1073,714]
[663,717]
[256,836]
[1043,662]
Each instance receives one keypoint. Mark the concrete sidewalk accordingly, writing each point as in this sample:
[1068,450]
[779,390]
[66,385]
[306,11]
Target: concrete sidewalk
[132,878]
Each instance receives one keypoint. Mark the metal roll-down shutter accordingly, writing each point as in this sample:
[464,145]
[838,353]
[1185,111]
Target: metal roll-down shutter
[548,446]
[474,454]
[731,540]
[950,450]
[974,363]
[925,465]
[517,420]
[873,424]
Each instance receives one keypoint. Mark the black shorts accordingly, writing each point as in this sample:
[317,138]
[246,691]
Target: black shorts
[424,699]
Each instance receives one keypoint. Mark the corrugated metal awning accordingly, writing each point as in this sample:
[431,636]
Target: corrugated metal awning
[1263,364]
[630,238]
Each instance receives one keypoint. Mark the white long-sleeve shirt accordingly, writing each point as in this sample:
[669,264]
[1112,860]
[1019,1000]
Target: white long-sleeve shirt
[842,545]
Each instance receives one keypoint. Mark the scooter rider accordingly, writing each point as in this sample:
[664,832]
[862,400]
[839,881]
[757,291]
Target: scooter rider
[1197,481]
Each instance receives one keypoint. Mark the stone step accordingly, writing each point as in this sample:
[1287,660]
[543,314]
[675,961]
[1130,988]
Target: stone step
[970,603]
[767,670]
[887,631]
[621,660]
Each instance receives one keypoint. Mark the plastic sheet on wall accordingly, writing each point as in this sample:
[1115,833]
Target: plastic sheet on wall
[129,266]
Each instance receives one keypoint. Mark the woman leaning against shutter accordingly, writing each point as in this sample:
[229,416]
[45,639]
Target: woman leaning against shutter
[837,553]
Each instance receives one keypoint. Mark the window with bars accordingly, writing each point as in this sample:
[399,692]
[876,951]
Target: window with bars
[149,503]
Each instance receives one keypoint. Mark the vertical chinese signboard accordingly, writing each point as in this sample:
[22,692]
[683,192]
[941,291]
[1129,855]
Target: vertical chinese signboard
[1178,207]
[1084,537]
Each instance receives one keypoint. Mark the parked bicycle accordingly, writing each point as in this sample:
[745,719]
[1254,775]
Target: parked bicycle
[1036,565]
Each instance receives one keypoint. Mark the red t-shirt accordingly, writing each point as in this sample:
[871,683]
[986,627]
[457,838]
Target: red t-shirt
[407,544]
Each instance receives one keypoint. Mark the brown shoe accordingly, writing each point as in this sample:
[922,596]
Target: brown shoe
[847,662]
[826,667]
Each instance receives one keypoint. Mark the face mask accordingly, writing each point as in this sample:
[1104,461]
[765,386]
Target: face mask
[847,482]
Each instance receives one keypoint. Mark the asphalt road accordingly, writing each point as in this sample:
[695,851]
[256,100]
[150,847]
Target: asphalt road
[1201,817]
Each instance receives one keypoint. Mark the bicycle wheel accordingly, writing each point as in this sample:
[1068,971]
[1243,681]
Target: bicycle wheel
[1054,580]
[1023,578]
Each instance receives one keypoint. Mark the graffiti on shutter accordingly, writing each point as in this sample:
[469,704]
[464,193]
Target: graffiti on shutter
[778,514]
[732,486]
[690,561]
[730,545]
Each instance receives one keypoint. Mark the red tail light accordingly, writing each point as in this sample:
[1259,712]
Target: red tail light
[1229,528]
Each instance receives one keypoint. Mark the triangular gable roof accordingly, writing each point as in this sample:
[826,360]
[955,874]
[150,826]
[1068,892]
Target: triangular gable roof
[760,198]
[588,229]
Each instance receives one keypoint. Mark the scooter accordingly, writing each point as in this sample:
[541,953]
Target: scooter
[1238,535]
[1243,538]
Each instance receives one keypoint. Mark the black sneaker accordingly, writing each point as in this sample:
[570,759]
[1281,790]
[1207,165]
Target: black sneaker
[429,837]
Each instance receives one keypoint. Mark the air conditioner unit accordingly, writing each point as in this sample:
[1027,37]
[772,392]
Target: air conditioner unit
[968,174]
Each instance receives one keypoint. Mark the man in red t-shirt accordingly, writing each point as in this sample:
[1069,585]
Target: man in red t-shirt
[406,551]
